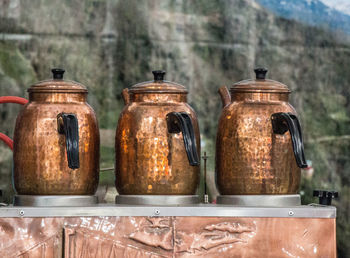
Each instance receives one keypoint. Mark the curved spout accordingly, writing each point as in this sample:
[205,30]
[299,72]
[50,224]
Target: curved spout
[126,96]
[225,96]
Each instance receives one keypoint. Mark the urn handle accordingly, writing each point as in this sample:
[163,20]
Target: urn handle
[181,122]
[68,124]
[283,122]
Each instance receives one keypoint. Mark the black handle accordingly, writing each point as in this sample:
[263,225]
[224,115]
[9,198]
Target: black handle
[158,75]
[325,197]
[281,123]
[181,122]
[260,73]
[68,124]
[57,73]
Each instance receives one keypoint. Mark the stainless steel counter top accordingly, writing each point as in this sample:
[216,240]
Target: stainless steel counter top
[199,210]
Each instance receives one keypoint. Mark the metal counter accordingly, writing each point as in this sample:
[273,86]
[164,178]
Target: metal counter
[199,210]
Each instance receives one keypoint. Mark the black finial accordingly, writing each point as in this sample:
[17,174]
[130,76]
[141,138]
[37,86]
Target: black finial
[158,75]
[260,73]
[325,197]
[57,73]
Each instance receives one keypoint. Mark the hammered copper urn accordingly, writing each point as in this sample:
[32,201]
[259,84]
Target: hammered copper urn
[157,142]
[259,146]
[56,141]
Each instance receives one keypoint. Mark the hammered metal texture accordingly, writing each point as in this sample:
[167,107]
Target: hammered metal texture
[31,237]
[149,160]
[250,158]
[40,157]
[167,237]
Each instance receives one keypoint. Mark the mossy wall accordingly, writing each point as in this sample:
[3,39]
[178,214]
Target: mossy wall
[109,45]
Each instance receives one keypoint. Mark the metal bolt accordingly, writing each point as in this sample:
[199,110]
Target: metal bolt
[291,213]
[206,198]
[21,212]
[156,212]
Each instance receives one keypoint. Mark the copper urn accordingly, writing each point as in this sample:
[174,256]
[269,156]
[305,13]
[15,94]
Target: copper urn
[56,141]
[259,146]
[157,142]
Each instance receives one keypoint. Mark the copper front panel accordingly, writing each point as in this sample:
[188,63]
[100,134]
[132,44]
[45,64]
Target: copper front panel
[31,237]
[167,237]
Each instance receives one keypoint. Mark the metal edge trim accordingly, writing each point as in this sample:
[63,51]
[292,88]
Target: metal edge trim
[171,211]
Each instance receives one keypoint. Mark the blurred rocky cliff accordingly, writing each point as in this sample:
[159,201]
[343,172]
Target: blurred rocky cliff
[108,45]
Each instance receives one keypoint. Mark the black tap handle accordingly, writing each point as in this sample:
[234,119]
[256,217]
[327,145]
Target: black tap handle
[68,124]
[260,73]
[158,75]
[181,122]
[325,197]
[57,73]
[281,123]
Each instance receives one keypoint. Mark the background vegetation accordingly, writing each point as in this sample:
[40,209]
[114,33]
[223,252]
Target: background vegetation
[108,45]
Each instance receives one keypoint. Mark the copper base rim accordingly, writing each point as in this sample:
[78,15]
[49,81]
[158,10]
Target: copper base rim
[284,200]
[54,200]
[157,200]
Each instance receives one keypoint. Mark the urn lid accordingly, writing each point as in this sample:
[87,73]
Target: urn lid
[260,84]
[158,85]
[57,84]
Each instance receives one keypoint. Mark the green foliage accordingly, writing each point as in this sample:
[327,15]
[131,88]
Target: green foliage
[14,65]
[203,44]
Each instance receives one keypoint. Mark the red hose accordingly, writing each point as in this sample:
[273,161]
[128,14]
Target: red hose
[11,99]
[6,140]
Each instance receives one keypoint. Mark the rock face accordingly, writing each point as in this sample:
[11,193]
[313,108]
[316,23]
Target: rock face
[108,45]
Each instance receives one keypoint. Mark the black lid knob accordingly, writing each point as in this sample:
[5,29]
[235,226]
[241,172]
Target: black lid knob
[260,73]
[158,75]
[57,73]
[325,197]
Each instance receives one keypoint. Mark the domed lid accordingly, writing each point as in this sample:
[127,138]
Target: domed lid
[260,84]
[158,85]
[57,84]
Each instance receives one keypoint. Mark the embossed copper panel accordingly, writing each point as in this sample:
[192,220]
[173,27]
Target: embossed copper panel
[254,237]
[31,237]
[167,237]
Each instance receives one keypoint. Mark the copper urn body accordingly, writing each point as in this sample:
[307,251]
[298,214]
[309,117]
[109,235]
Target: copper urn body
[157,142]
[56,141]
[259,147]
